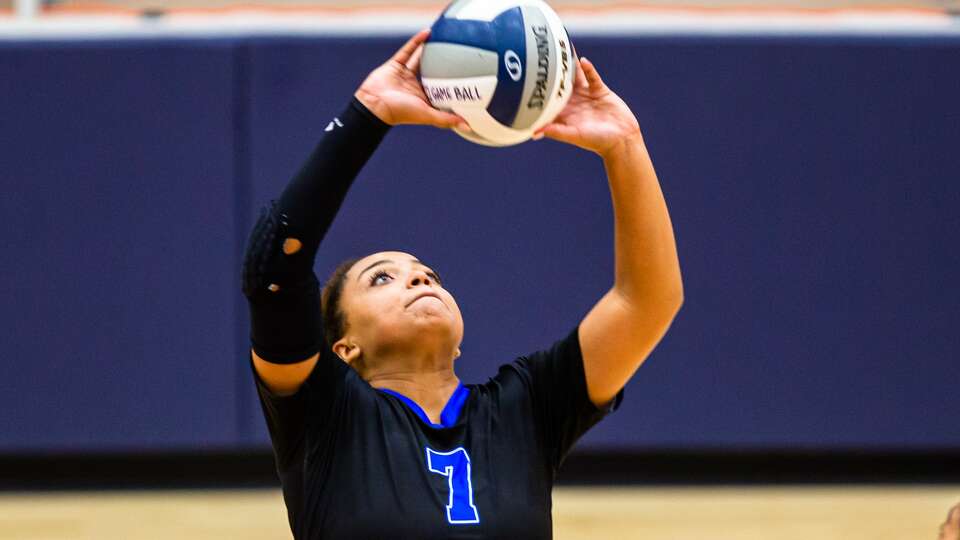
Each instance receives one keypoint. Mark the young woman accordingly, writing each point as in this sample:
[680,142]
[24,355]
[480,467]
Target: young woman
[374,435]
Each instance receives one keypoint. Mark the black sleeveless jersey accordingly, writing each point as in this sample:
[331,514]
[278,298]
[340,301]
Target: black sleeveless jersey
[357,462]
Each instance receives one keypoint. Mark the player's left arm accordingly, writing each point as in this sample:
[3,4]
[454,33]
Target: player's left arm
[622,329]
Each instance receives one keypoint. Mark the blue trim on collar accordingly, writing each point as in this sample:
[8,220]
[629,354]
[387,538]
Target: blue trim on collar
[450,412]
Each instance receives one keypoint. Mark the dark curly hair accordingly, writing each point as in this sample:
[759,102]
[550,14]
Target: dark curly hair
[334,321]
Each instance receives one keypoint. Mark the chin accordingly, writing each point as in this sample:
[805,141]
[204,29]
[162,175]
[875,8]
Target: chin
[435,330]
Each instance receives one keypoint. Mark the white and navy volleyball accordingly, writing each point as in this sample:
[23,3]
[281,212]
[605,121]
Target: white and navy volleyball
[506,66]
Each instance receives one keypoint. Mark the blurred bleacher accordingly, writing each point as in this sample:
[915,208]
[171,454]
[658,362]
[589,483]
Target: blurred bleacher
[432,6]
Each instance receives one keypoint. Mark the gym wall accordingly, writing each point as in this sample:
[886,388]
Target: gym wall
[813,183]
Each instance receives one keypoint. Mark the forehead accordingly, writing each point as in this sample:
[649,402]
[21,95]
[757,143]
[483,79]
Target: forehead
[395,256]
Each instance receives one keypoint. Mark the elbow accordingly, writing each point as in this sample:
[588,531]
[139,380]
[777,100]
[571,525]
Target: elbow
[674,292]
[677,296]
[257,253]
[658,294]
[669,301]
[674,305]
[661,304]
[671,305]
[669,296]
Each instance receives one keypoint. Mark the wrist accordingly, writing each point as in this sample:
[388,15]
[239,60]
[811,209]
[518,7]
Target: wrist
[363,108]
[372,105]
[623,147]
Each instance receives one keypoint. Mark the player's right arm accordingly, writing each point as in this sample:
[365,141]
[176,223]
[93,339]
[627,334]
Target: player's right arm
[278,280]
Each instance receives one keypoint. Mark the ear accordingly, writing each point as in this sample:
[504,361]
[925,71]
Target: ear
[346,350]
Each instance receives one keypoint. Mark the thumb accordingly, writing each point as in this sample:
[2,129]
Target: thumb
[446,120]
[558,132]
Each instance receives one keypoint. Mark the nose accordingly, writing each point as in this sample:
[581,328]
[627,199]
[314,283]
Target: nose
[417,278]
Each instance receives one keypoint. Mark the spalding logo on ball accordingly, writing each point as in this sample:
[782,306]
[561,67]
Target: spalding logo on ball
[506,66]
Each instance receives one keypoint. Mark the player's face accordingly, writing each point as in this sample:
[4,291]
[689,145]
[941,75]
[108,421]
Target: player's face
[393,302]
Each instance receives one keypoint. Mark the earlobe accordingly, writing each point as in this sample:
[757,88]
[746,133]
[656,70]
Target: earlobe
[348,352]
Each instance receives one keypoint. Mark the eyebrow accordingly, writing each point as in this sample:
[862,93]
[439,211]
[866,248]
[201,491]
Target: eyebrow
[388,261]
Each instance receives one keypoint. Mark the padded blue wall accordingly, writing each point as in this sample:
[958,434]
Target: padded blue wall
[812,184]
[119,258]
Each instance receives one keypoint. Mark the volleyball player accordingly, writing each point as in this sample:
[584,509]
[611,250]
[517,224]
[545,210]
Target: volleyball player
[373,433]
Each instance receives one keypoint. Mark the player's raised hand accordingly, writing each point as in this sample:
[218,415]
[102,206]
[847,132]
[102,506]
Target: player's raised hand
[595,118]
[393,91]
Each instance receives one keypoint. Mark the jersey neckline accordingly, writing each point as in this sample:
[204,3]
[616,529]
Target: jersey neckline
[450,412]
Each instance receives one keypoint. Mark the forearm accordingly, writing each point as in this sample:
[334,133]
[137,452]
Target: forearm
[278,279]
[647,271]
[312,198]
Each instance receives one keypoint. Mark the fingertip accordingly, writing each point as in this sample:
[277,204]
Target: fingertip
[461,123]
[453,121]
[422,35]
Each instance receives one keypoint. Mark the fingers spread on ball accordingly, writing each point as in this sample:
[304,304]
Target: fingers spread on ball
[413,64]
[581,79]
[593,77]
[404,54]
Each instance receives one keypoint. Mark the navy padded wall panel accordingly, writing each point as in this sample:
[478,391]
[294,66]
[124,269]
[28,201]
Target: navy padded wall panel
[119,275]
[812,184]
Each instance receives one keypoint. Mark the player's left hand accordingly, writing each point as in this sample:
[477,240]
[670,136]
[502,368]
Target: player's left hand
[595,118]
[393,92]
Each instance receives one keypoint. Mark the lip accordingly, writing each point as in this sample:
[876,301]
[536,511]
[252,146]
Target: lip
[422,295]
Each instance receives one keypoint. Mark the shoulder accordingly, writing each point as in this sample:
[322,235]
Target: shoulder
[562,352]
[522,373]
[333,376]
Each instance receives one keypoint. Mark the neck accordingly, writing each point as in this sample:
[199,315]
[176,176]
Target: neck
[427,381]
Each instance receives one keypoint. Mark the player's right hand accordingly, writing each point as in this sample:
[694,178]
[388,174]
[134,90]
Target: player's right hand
[393,91]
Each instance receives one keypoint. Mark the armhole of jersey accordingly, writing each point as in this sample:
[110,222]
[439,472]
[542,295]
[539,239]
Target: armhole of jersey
[328,365]
[328,371]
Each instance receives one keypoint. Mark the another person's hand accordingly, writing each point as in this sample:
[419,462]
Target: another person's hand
[950,530]
[595,118]
[393,92]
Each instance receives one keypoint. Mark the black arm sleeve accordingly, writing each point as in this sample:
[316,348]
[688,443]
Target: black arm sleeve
[282,290]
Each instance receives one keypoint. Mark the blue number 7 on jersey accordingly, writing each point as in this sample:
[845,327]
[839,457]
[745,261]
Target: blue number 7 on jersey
[455,465]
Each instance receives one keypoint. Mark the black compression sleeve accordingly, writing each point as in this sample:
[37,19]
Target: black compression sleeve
[282,290]
[312,198]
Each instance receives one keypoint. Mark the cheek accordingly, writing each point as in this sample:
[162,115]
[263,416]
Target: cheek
[373,309]
[453,305]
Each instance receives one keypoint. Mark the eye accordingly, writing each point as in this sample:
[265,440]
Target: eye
[435,277]
[379,277]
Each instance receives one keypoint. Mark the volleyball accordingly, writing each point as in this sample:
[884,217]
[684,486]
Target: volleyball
[505,66]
